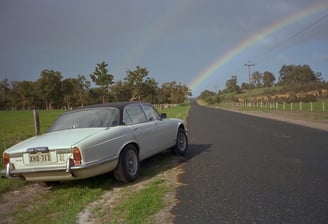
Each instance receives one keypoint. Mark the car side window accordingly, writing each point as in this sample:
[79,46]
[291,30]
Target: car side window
[133,114]
[150,112]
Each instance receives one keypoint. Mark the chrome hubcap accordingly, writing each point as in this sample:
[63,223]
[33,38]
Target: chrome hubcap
[132,162]
[182,141]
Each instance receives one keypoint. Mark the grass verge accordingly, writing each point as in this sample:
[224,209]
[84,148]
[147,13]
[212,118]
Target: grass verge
[139,207]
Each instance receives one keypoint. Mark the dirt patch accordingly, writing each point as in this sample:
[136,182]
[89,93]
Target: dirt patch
[19,198]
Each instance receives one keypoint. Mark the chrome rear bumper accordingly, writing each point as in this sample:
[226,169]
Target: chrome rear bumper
[68,171]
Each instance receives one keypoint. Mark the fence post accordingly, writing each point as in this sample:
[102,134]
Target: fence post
[36,122]
[323,106]
[311,106]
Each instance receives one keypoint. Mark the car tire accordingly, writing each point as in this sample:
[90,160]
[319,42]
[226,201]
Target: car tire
[181,144]
[128,167]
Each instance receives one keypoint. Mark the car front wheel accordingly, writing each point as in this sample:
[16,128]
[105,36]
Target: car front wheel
[181,144]
[128,167]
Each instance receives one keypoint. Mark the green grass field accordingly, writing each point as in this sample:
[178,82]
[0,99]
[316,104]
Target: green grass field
[16,126]
[67,200]
[180,112]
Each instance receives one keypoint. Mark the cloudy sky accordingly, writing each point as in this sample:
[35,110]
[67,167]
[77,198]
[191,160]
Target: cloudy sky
[200,43]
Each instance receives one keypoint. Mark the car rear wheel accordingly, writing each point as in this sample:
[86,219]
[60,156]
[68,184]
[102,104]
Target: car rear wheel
[181,145]
[128,167]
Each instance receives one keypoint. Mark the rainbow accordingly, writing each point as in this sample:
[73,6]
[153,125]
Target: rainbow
[219,62]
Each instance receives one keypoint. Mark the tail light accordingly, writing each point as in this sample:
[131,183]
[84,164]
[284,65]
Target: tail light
[5,158]
[77,156]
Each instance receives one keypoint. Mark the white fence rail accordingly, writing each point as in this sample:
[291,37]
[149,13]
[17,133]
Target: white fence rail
[164,106]
[293,106]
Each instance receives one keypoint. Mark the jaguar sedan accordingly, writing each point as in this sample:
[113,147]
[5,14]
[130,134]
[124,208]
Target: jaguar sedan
[94,140]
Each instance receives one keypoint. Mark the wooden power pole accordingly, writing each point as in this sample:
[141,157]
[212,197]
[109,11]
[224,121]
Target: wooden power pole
[249,74]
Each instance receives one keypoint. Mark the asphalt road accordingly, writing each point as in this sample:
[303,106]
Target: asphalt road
[246,169]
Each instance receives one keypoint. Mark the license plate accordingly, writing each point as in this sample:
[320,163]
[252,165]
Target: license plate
[40,158]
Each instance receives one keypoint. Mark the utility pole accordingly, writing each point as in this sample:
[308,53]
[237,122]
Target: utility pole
[249,74]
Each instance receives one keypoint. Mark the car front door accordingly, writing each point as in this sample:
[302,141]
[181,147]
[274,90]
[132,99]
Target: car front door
[145,132]
[165,135]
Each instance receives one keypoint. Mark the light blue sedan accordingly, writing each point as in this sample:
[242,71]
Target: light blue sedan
[94,140]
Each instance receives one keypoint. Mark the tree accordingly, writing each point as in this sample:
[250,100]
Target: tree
[4,94]
[70,88]
[296,75]
[83,88]
[268,79]
[121,91]
[49,86]
[244,86]
[149,90]
[101,78]
[257,79]
[172,92]
[231,85]
[24,94]
[209,97]
[206,94]
[135,80]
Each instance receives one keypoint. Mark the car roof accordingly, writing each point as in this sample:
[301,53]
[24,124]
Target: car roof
[119,105]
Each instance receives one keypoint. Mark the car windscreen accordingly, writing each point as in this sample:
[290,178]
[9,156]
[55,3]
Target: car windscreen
[86,118]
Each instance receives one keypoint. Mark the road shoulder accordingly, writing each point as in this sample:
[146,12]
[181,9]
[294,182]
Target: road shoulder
[287,117]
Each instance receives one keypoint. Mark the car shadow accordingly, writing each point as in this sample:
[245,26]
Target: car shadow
[150,167]
[166,160]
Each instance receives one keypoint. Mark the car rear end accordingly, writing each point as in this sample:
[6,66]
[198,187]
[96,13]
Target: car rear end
[41,164]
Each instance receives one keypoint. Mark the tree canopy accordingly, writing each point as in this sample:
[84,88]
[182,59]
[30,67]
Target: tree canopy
[296,75]
[101,78]
[292,79]
[51,91]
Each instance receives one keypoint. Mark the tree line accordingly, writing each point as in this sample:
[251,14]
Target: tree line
[51,91]
[292,78]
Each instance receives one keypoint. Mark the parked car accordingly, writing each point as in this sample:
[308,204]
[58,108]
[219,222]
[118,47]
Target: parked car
[94,140]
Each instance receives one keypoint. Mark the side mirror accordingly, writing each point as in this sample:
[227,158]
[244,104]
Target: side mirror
[164,115]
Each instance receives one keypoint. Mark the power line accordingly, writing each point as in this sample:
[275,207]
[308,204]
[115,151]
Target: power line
[300,32]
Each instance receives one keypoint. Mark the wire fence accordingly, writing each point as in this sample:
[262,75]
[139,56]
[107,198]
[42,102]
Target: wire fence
[164,106]
[291,106]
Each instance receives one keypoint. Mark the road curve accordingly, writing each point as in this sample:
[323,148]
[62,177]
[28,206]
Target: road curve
[246,169]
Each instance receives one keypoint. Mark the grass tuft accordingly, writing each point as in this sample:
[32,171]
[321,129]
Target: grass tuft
[140,206]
